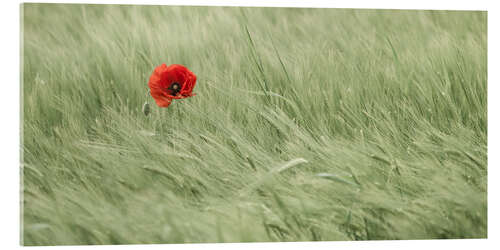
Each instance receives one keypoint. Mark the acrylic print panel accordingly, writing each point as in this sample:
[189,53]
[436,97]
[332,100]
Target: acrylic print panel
[171,124]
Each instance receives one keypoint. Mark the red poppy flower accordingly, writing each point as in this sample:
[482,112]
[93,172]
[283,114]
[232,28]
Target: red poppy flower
[172,82]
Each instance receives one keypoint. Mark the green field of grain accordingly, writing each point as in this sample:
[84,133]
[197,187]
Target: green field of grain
[307,125]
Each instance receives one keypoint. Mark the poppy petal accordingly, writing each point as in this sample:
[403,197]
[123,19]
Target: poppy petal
[164,76]
[163,101]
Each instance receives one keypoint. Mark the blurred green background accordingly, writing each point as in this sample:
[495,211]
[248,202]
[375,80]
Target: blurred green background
[308,125]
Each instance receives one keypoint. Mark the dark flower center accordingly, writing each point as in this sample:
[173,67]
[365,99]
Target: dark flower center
[174,88]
